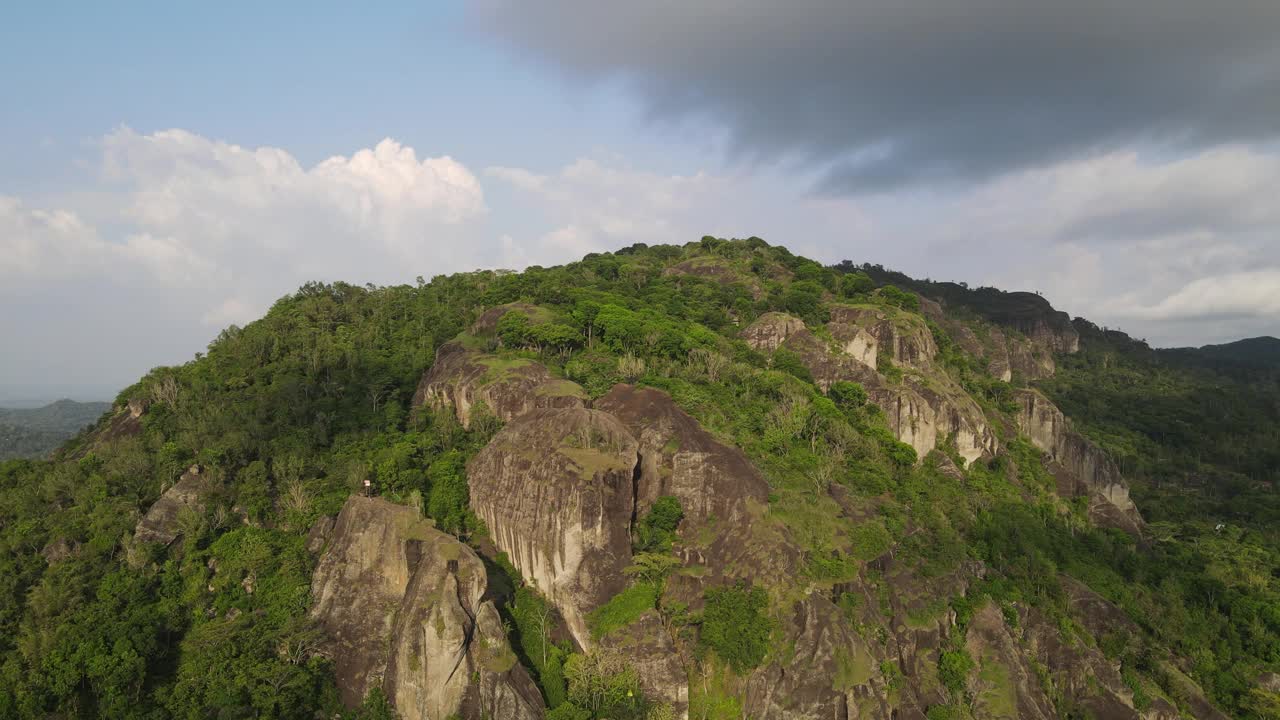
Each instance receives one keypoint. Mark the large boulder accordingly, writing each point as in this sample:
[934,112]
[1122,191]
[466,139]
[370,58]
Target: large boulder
[556,489]
[770,330]
[462,377]
[161,523]
[401,605]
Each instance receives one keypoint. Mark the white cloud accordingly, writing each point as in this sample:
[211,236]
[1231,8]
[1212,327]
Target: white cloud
[1237,294]
[594,206]
[35,241]
[219,231]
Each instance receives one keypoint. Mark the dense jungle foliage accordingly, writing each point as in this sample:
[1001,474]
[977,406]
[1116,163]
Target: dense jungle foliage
[293,413]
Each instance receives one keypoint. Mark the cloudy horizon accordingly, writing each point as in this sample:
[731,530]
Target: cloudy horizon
[1122,163]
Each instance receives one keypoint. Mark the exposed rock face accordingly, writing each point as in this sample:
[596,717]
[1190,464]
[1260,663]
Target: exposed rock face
[1100,617]
[649,650]
[487,323]
[1005,685]
[721,492]
[1088,470]
[1028,360]
[717,270]
[1034,317]
[401,605]
[908,341]
[770,330]
[556,488]
[461,378]
[677,457]
[924,410]
[160,524]
[830,674]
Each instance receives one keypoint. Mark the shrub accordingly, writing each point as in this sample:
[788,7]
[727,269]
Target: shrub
[656,531]
[847,395]
[736,626]
[624,608]
[953,670]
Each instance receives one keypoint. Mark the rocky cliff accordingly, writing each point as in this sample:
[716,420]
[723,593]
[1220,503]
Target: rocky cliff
[556,489]
[924,407]
[1084,470]
[401,605]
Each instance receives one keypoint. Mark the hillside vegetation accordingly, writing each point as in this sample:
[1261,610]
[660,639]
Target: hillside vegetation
[710,481]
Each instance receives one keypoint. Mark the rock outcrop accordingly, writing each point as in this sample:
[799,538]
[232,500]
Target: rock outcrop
[720,271]
[1083,469]
[722,494]
[161,523]
[649,650]
[461,378]
[864,331]
[924,409]
[556,488]
[770,330]
[400,603]
[1005,684]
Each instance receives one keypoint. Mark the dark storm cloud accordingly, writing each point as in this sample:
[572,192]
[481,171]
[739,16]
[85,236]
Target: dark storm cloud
[884,93]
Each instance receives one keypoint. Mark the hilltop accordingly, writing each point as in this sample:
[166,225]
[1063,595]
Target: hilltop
[709,481]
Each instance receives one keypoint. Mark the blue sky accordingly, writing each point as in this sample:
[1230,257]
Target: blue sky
[169,168]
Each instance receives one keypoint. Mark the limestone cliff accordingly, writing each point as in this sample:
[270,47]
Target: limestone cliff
[400,604]
[556,489]
[1083,468]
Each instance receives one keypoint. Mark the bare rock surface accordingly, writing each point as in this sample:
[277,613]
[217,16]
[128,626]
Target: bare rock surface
[1005,684]
[160,524]
[401,605]
[556,489]
[724,497]
[461,378]
[1086,469]
[649,650]
[770,330]
[924,409]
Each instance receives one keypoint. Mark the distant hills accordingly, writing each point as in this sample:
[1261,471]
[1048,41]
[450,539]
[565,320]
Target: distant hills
[35,432]
[1259,353]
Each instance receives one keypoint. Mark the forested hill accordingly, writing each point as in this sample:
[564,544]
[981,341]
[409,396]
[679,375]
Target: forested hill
[35,432]
[709,481]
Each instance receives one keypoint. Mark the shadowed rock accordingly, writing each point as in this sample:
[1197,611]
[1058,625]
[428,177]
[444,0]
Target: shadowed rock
[401,605]
[724,497]
[650,652]
[1005,684]
[160,524]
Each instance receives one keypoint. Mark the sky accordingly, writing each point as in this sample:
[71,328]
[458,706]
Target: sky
[168,169]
